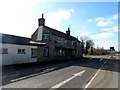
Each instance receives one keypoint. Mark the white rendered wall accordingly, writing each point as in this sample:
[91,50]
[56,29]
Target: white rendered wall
[40,31]
[14,58]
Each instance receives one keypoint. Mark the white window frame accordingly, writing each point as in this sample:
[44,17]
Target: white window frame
[33,52]
[21,51]
[4,51]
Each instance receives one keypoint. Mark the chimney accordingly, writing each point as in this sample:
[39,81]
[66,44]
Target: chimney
[41,21]
[68,31]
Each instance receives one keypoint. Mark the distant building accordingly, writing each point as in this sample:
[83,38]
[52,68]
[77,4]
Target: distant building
[45,44]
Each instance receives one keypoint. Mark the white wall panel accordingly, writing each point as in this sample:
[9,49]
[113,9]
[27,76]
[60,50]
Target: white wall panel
[40,31]
[14,58]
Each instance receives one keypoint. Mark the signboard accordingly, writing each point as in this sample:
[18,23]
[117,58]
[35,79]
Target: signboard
[112,49]
[82,43]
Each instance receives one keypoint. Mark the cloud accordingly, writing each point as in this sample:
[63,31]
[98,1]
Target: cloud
[102,22]
[108,26]
[112,29]
[55,18]
[107,44]
[90,20]
[84,34]
[114,17]
[19,17]
[99,19]
[72,10]
[105,21]
[102,35]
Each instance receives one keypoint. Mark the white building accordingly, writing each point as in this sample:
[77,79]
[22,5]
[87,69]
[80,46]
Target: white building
[16,50]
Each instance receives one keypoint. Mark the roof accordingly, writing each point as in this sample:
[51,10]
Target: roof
[34,42]
[59,33]
[12,39]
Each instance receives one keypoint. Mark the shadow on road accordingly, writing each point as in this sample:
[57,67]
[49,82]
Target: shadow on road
[30,70]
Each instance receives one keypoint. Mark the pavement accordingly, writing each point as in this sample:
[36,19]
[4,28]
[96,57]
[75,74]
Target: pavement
[94,72]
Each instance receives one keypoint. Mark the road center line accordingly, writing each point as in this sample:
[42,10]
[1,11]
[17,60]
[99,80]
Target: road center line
[101,59]
[67,80]
[95,75]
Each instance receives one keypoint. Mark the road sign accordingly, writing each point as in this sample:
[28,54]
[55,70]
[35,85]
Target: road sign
[82,43]
[112,49]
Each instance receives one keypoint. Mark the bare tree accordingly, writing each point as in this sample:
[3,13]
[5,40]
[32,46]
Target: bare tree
[88,44]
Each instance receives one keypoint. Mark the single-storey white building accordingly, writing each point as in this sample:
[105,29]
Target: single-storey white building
[16,50]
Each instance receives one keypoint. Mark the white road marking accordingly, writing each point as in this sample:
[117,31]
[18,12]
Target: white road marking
[21,78]
[50,69]
[9,76]
[67,80]
[101,59]
[95,74]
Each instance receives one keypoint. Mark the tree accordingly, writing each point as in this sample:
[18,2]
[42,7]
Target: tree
[88,44]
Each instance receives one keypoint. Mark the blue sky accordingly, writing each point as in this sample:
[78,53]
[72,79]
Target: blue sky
[96,20]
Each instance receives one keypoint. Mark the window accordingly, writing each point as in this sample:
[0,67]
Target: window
[46,51]
[33,53]
[21,51]
[78,44]
[59,39]
[60,52]
[72,42]
[4,51]
[46,36]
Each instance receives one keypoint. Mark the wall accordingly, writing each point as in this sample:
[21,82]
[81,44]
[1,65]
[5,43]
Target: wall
[40,31]
[14,58]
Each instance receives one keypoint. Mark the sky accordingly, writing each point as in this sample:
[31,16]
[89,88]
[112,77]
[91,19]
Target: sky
[96,20]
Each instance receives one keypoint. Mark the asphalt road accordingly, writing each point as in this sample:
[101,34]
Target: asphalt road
[69,74]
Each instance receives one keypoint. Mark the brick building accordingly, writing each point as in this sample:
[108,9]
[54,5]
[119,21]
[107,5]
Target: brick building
[58,45]
[45,44]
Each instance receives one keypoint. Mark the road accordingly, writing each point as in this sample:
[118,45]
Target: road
[95,72]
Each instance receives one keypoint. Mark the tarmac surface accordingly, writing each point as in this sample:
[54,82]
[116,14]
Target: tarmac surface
[94,72]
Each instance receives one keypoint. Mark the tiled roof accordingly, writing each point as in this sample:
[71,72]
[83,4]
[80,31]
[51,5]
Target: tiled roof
[59,33]
[12,39]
